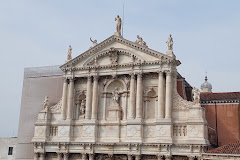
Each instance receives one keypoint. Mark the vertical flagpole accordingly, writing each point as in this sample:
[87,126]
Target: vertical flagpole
[123,18]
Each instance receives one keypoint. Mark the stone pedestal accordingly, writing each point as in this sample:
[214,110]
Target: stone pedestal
[42,129]
[114,112]
[117,34]
[170,53]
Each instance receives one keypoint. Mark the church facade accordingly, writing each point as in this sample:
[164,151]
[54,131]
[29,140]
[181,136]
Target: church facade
[120,101]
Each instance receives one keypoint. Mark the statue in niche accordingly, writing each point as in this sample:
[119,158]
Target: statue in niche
[140,41]
[116,96]
[196,96]
[69,55]
[170,42]
[82,107]
[119,24]
[94,42]
[46,104]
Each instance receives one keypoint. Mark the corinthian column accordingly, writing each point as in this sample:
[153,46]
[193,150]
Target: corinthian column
[95,97]
[70,99]
[161,87]
[64,99]
[169,93]
[131,114]
[139,96]
[89,98]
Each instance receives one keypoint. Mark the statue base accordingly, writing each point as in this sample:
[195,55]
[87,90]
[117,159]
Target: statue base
[117,34]
[114,112]
[170,53]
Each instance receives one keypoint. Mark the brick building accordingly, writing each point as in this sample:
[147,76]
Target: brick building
[222,114]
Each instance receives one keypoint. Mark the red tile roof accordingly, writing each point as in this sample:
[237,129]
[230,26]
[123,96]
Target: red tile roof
[225,96]
[231,148]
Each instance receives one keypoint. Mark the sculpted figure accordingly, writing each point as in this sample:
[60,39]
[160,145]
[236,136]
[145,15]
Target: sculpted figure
[82,108]
[116,96]
[69,55]
[170,42]
[94,42]
[196,96]
[119,24]
[46,104]
[140,41]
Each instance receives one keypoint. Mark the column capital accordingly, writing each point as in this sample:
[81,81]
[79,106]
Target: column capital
[169,72]
[160,157]
[71,79]
[132,75]
[168,157]
[160,72]
[66,154]
[42,154]
[95,77]
[139,74]
[89,77]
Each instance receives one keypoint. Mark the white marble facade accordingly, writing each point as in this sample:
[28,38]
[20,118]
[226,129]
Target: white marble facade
[120,101]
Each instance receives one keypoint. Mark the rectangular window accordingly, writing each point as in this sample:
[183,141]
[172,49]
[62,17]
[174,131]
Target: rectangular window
[10,150]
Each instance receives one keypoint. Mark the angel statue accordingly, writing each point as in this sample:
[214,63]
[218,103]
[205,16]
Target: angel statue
[69,55]
[119,24]
[46,104]
[170,42]
[196,96]
[94,42]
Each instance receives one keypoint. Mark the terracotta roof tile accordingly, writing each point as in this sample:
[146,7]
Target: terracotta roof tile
[225,96]
[231,148]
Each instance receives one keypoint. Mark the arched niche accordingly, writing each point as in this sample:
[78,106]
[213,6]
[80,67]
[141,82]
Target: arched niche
[150,104]
[115,99]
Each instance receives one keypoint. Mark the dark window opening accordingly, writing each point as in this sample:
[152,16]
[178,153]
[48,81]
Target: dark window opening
[10,150]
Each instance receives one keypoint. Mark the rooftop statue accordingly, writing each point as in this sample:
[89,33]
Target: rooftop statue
[119,24]
[69,55]
[170,42]
[46,104]
[196,96]
[94,42]
[140,41]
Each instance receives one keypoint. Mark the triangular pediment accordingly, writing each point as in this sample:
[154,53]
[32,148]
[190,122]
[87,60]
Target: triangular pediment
[113,50]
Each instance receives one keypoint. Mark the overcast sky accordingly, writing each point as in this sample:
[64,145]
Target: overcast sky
[37,33]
